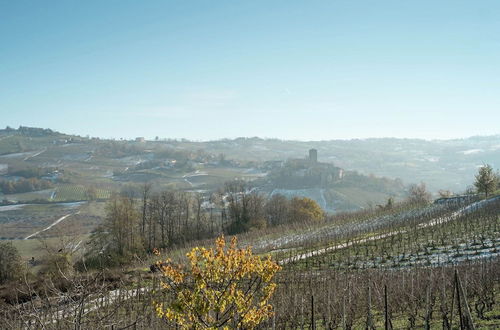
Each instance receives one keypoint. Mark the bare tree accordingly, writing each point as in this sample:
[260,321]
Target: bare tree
[277,209]
[418,194]
[146,188]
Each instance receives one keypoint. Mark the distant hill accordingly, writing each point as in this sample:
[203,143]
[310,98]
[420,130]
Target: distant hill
[334,188]
[441,164]
[184,164]
[29,131]
[81,168]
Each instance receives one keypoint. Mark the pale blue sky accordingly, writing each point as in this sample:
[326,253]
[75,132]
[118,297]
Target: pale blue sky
[305,70]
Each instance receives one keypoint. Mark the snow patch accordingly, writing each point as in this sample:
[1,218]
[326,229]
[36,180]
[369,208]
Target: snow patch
[12,207]
[471,151]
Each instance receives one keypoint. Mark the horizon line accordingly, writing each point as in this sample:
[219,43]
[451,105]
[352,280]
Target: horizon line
[180,139]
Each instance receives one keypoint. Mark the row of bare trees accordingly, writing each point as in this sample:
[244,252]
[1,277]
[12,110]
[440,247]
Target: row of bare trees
[164,219]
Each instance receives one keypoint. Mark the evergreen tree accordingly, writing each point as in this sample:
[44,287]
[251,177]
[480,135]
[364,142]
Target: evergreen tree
[10,262]
[486,180]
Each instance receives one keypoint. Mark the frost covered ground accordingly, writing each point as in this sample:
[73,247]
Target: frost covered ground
[333,237]
[333,232]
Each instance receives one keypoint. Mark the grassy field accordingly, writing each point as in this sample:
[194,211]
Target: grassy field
[25,220]
[16,144]
[29,196]
[40,248]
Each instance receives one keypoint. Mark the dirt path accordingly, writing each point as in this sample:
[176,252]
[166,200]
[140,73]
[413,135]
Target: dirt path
[51,225]
[335,247]
[193,174]
[35,154]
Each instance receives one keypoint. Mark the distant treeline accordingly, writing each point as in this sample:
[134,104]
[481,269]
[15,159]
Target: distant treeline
[23,185]
[118,149]
[31,172]
[139,224]
[31,131]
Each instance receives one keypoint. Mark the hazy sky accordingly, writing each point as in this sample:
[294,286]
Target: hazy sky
[286,69]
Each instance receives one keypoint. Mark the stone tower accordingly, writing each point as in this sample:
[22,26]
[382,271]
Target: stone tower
[313,156]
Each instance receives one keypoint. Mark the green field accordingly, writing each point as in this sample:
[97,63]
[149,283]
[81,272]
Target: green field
[80,193]
[29,196]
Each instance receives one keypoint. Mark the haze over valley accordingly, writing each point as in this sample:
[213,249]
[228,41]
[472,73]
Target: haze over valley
[249,165]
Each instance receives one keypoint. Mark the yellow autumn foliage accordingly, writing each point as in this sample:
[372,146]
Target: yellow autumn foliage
[305,209]
[222,287]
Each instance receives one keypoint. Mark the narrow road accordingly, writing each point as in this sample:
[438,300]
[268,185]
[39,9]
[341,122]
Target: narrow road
[335,247]
[35,154]
[75,305]
[323,199]
[192,174]
[51,225]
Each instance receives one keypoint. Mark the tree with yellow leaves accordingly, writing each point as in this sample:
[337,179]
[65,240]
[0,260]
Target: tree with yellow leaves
[225,287]
[306,210]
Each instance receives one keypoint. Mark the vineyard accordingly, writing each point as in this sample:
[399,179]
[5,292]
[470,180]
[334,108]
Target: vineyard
[79,193]
[416,298]
[432,298]
[399,278]
[433,267]
[416,242]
